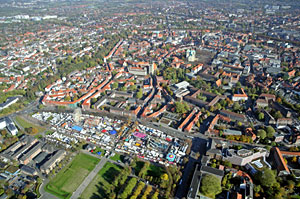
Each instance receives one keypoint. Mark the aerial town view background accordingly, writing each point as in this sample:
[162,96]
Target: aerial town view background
[149,99]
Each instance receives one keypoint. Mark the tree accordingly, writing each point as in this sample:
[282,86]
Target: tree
[257,188]
[128,189]
[75,98]
[267,177]
[198,123]
[210,186]
[278,115]
[270,131]
[261,116]
[139,94]
[155,195]
[123,88]
[164,177]
[261,133]
[227,163]
[181,107]
[218,106]
[3,132]
[94,100]
[41,106]
[115,85]
[236,106]
[291,185]
[279,100]
[67,98]
[294,159]
[31,130]
[132,87]
[138,190]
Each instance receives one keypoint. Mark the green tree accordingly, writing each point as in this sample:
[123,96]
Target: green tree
[261,116]
[270,131]
[67,98]
[115,85]
[257,188]
[291,185]
[261,133]
[181,107]
[266,177]
[124,88]
[278,115]
[128,189]
[75,98]
[132,87]
[210,186]
[236,106]
[227,163]
[139,94]
[155,195]
[239,124]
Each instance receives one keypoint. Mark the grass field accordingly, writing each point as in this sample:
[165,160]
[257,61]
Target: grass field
[99,150]
[25,124]
[71,176]
[102,182]
[117,157]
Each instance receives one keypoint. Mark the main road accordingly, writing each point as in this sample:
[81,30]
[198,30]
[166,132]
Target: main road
[89,179]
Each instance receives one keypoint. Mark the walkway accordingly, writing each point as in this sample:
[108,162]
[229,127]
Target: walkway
[89,179]
[44,194]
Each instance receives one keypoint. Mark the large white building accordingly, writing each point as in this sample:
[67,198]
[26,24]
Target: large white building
[9,124]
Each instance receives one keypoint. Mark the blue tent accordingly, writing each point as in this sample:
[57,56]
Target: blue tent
[99,153]
[77,128]
[112,132]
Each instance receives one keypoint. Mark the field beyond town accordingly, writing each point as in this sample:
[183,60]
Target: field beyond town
[71,176]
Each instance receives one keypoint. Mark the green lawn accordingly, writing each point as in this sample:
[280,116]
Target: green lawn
[26,124]
[71,176]
[99,150]
[117,157]
[102,182]
[49,132]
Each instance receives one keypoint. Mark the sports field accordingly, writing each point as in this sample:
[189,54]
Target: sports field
[101,182]
[71,176]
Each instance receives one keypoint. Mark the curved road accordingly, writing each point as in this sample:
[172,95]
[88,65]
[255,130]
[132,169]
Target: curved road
[44,194]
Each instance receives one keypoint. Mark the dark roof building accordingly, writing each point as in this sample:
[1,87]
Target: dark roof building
[233,116]
[28,170]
